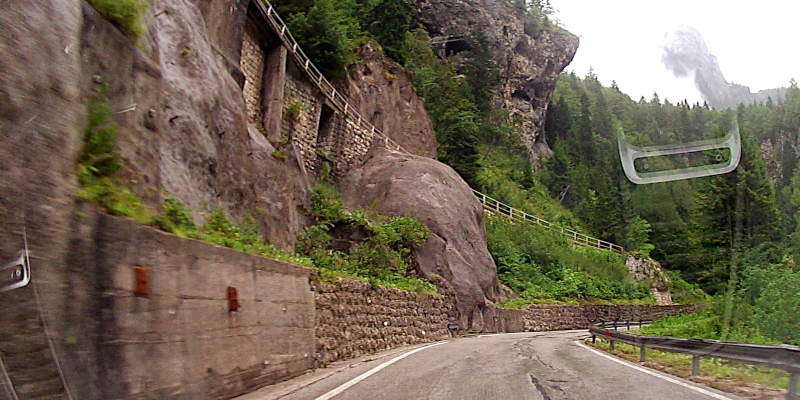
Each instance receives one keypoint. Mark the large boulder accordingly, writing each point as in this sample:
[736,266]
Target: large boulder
[402,184]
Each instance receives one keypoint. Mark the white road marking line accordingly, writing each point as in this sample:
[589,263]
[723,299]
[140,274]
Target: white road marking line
[371,372]
[653,373]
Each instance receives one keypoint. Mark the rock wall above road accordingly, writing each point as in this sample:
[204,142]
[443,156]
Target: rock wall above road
[385,96]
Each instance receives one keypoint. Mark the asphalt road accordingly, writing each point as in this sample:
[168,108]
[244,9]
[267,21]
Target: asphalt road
[544,365]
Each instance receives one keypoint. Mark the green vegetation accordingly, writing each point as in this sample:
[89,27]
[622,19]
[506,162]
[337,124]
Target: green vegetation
[125,14]
[720,374]
[294,109]
[684,292]
[540,264]
[98,163]
[380,256]
[767,311]
[357,244]
[218,229]
[481,142]
[725,233]
[689,226]
[328,31]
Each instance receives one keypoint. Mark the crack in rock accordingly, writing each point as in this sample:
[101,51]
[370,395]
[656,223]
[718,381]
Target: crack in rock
[540,387]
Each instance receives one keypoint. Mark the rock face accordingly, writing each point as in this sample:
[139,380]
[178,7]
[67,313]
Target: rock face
[386,97]
[648,270]
[187,132]
[529,56]
[403,184]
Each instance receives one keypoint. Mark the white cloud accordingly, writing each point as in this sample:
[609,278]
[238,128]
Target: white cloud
[754,41]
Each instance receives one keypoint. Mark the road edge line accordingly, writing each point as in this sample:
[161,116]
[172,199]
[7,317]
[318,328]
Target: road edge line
[654,373]
[336,391]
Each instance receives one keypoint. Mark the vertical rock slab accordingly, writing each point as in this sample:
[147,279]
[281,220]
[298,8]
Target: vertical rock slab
[385,96]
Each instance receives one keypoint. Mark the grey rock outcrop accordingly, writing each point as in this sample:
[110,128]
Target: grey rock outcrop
[385,96]
[529,56]
[650,271]
[402,184]
[183,129]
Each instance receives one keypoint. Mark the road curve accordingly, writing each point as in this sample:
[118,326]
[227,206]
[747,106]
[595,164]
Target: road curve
[540,366]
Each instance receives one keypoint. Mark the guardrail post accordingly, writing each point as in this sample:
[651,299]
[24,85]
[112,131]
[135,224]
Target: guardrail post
[611,344]
[594,338]
[642,354]
[792,393]
[695,365]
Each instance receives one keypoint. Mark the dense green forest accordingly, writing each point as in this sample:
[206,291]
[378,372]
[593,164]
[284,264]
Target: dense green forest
[734,235]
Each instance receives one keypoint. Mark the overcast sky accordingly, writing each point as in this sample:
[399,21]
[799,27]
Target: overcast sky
[756,42]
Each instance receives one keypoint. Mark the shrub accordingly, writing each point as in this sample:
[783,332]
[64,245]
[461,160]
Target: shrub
[98,158]
[294,109]
[125,14]
[541,264]
[98,162]
[375,248]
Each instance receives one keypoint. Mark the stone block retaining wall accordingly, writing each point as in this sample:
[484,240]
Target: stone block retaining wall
[547,317]
[355,319]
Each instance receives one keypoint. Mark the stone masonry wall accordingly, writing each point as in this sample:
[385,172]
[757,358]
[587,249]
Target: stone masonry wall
[252,66]
[354,144]
[301,127]
[547,317]
[347,144]
[354,319]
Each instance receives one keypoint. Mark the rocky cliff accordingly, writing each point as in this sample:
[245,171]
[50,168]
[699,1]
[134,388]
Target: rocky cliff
[529,54]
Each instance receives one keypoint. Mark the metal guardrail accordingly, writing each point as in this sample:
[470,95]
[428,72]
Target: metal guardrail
[494,206]
[785,357]
[342,104]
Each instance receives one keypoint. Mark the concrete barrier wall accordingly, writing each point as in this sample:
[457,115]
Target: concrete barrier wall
[181,340]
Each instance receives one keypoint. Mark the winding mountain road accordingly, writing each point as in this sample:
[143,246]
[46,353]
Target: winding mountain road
[536,366]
